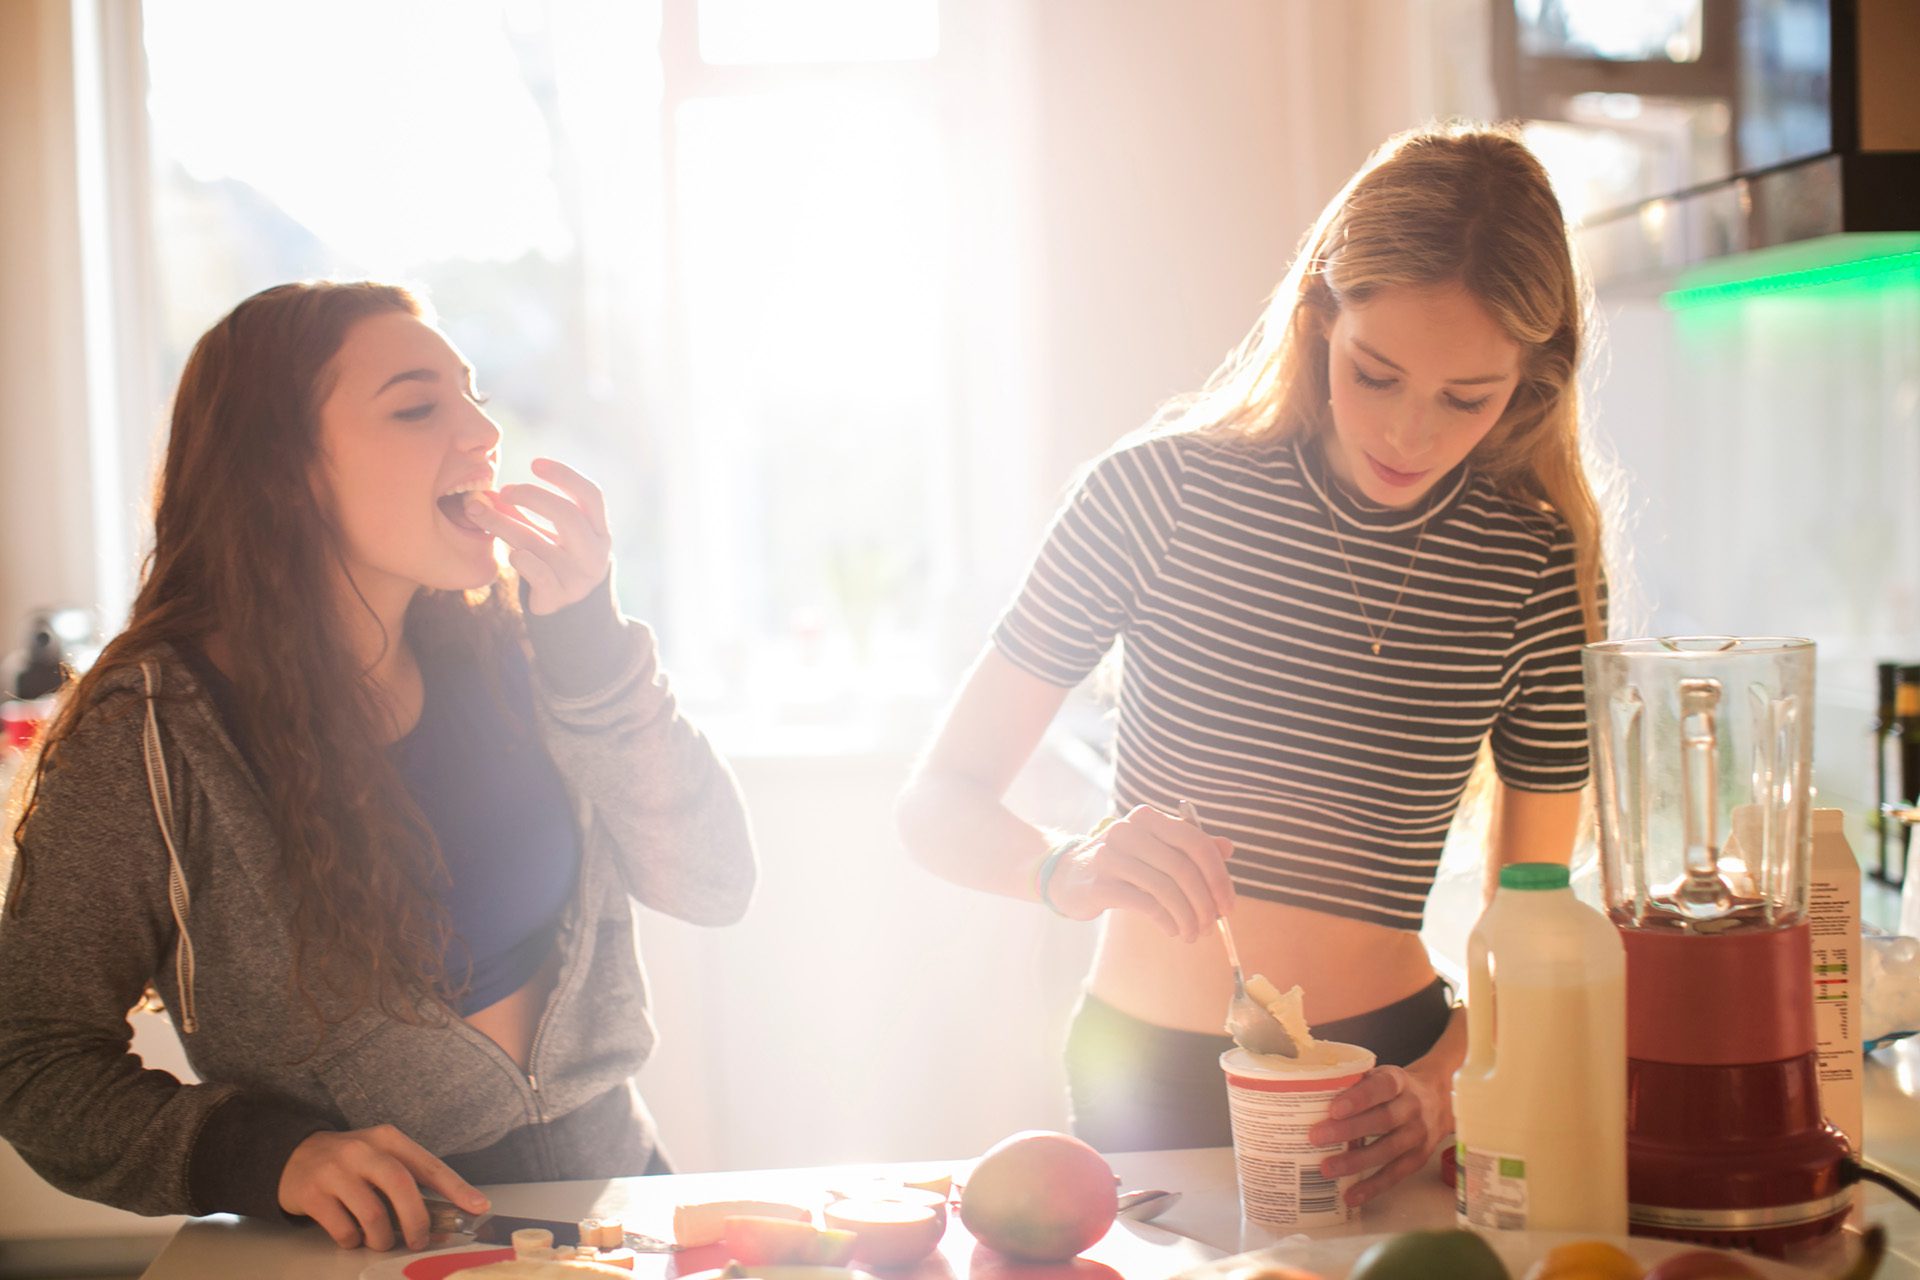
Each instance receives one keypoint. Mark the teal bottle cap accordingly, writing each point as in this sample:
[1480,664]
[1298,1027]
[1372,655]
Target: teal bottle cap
[1533,875]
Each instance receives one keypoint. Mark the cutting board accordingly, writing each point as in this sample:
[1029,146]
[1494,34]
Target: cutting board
[1129,1251]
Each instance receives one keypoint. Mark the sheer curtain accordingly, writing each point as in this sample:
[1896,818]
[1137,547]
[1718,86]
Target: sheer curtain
[1153,165]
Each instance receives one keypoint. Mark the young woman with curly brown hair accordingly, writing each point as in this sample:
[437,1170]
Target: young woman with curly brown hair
[369,811]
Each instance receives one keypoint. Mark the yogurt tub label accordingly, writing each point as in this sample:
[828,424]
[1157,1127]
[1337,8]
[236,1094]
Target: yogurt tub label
[1273,1102]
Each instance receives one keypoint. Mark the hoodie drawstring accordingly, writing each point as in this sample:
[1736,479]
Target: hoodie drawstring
[178,895]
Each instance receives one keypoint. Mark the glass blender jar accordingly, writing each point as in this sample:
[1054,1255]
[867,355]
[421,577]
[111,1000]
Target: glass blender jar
[1702,752]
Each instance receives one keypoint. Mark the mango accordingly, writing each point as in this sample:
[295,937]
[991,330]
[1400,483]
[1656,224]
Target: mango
[1039,1196]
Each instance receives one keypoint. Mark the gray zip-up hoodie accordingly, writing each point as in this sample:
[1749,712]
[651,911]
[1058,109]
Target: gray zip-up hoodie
[97,915]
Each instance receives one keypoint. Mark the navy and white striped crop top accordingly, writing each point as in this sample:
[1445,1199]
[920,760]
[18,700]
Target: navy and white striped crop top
[1248,681]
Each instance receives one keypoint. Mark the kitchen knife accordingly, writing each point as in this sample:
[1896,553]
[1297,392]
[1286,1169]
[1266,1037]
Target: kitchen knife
[498,1228]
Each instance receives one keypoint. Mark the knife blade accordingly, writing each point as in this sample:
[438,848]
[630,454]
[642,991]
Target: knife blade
[498,1228]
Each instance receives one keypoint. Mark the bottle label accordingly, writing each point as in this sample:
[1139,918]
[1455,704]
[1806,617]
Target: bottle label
[1490,1189]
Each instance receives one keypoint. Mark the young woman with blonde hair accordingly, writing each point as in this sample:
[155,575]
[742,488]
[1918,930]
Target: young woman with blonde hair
[369,811]
[1365,550]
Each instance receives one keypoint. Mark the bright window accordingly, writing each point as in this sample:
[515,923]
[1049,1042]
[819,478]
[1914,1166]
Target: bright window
[785,31]
[712,272]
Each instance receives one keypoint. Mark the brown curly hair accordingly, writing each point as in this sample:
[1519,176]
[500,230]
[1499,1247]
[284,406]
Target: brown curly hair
[244,549]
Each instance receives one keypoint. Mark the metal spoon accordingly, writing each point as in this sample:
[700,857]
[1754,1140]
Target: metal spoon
[1144,1206]
[1248,1021]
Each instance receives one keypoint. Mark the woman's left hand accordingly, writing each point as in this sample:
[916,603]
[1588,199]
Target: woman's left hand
[560,568]
[1401,1111]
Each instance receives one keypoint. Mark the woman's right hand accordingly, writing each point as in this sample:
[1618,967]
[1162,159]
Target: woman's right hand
[345,1181]
[1150,862]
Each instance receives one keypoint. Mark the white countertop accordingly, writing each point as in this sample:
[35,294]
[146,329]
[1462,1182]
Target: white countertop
[1208,1211]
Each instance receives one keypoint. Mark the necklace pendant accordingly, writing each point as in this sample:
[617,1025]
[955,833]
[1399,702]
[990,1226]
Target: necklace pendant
[1376,648]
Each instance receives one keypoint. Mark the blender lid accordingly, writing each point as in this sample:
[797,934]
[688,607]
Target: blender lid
[1700,646]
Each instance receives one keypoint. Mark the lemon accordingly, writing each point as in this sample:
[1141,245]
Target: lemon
[1585,1260]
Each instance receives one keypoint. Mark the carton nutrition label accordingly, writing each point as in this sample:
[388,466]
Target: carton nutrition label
[1490,1189]
[1833,919]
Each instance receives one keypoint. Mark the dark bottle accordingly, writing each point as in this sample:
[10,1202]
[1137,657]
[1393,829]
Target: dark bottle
[1886,768]
[1906,731]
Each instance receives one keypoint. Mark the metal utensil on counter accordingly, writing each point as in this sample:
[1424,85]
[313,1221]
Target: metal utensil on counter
[1144,1206]
[1248,1022]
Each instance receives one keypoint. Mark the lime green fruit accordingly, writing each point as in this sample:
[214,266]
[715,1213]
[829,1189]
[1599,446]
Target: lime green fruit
[1430,1255]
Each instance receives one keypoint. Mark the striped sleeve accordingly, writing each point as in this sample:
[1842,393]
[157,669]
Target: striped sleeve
[1100,557]
[1540,736]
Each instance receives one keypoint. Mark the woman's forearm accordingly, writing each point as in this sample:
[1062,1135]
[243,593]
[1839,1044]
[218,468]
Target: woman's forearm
[1438,1065]
[960,831]
[1529,826]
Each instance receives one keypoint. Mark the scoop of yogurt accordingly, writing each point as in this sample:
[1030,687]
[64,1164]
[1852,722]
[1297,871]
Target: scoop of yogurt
[1289,1011]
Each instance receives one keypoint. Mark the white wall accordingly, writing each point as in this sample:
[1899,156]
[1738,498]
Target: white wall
[865,1010]
[46,538]
[1772,452]
[1188,147]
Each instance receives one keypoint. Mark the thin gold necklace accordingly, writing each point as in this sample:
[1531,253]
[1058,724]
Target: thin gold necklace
[1374,636]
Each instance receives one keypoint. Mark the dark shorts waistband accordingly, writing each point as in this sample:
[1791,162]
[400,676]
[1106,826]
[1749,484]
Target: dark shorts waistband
[1137,1086]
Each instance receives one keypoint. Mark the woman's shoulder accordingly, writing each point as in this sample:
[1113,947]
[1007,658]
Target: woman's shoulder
[1501,513]
[117,693]
[97,745]
[1175,462]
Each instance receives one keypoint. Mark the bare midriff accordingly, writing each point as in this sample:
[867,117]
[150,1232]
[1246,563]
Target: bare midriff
[512,1022]
[1343,967]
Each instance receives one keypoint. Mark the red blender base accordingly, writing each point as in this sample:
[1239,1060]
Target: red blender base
[1726,1143]
[1733,1157]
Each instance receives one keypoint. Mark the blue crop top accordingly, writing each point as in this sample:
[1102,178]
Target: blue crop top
[487,788]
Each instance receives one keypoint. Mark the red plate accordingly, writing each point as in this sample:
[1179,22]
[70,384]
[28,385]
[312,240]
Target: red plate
[436,1266]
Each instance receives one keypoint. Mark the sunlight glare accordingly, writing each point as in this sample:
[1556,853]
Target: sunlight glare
[398,134]
[787,31]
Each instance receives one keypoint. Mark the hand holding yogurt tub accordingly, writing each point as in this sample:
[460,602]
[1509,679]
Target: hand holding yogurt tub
[1279,1105]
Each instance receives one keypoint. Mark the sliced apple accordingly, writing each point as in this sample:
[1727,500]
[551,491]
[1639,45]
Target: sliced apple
[764,1241]
[890,1233]
[896,1192]
[699,1224]
[941,1186]
[836,1247]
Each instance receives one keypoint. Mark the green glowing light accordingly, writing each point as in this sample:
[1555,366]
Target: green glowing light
[1835,266]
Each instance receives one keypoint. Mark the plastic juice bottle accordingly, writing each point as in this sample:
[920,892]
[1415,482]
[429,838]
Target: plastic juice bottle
[1540,1105]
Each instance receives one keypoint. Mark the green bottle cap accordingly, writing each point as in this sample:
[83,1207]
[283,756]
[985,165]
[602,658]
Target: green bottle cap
[1533,875]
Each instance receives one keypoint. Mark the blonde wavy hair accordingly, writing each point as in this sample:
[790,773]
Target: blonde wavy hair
[1446,204]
